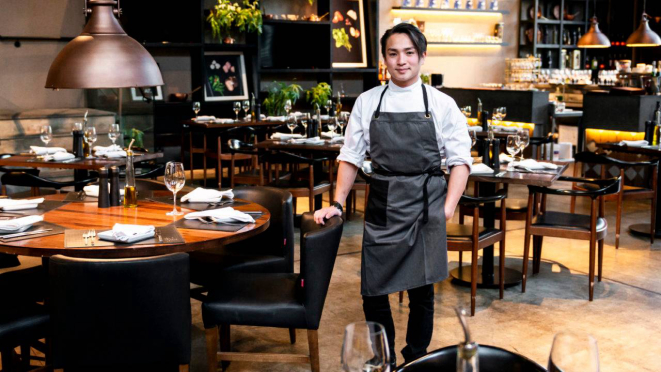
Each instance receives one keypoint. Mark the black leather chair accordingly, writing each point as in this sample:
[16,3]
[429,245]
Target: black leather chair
[269,252]
[21,324]
[120,313]
[490,358]
[35,182]
[276,300]
[591,227]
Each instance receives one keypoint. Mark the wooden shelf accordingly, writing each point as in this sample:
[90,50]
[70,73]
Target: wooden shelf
[288,22]
[449,11]
[468,44]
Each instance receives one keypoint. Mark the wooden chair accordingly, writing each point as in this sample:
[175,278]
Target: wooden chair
[255,174]
[626,192]
[591,227]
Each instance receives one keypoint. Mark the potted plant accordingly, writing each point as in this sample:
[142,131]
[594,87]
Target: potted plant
[279,93]
[319,94]
[134,134]
[226,17]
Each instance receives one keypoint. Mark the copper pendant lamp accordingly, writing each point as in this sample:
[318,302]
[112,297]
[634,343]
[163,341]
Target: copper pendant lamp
[594,38]
[103,56]
[644,36]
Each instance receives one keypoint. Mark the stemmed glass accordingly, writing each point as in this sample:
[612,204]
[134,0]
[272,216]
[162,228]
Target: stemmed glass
[512,145]
[291,123]
[524,139]
[573,352]
[344,120]
[90,136]
[466,110]
[174,179]
[237,108]
[46,134]
[327,106]
[502,112]
[113,133]
[246,107]
[332,124]
[305,119]
[287,106]
[473,136]
[196,108]
[365,348]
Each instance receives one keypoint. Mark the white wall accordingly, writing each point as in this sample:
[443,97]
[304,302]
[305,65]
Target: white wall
[465,67]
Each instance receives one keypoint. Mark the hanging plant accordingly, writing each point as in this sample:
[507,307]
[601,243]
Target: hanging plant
[227,16]
[319,94]
[274,104]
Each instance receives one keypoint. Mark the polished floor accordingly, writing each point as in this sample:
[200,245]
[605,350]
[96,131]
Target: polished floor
[624,316]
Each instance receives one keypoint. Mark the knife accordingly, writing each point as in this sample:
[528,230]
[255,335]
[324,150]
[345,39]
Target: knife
[10,236]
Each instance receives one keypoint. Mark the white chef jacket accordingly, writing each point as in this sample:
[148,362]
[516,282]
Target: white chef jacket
[451,127]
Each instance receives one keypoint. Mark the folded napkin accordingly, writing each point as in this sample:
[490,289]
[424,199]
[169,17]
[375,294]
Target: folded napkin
[502,128]
[59,156]
[534,164]
[329,134]
[93,190]
[125,233]
[102,149]
[19,223]
[325,117]
[46,150]
[275,118]
[114,151]
[338,139]
[638,143]
[308,141]
[224,121]
[203,118]
[504,158]
[222,215]
[18,204]
[285,136]
[475,128]
[481,168]
[261,117]
[202,195]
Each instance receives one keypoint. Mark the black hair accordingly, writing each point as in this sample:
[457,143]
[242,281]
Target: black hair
[413,32]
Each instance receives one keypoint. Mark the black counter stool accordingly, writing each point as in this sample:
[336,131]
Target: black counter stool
[591,227]
[120,313]
[275,300]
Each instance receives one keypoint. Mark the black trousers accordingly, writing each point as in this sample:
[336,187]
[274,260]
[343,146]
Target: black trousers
[420,325]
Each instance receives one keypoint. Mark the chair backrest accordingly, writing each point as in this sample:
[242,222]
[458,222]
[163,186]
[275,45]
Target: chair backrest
[589,157]
[319,245]
[120,312]
[278,239]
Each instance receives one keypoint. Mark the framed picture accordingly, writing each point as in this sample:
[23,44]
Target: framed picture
[224,76]
[348,24]
[147,94]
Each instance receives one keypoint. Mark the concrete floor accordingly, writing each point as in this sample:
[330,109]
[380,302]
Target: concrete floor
[622,317]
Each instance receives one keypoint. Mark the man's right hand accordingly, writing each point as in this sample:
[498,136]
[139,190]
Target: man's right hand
[326,213]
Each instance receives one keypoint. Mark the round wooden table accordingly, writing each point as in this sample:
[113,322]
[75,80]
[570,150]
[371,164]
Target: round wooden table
[79,216]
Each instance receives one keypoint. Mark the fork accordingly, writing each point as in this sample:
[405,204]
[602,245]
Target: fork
[206,220]
[85,237]
[92,235]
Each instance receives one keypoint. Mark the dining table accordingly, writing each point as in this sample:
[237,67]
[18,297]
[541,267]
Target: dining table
[86,216]
[92,163]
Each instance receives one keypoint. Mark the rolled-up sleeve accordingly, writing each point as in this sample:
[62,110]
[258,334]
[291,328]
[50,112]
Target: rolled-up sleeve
[353,150]
[457,142]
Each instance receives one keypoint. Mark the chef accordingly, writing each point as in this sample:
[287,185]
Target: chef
[407,128]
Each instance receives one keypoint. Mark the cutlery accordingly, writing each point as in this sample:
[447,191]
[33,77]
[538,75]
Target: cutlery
[92,235]
[10,236]
[206,220]
[159,236]
[81,195]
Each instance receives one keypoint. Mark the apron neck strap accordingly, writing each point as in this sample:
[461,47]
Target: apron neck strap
[378,108]
[424,98]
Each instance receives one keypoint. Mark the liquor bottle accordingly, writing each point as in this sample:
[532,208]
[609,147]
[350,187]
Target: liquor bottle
[252,108]
[130,196]
[338,105]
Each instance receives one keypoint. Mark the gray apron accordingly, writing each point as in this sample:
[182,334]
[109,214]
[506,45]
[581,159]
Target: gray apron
[404,243]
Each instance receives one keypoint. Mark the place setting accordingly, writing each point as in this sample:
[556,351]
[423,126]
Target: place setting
[225,219]
[27,207]
[26,227]
[122,234]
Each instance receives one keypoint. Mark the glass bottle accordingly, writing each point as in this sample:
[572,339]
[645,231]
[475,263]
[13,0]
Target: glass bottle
[130,195]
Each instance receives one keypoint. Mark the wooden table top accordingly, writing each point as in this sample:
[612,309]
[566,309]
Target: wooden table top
[521,178]
[89,216]
[211,125]
[284,145]
[31,161]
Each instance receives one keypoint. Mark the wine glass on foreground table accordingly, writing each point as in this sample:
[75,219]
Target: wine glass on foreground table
[46,134]
[174,179]
[365,348]
[113,133]
[573,352]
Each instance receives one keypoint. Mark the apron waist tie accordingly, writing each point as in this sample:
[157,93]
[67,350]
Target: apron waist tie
[434,172]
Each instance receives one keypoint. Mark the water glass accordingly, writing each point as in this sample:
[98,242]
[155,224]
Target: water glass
[332,124]
[288,106]
[174,179]
[196,108]
[305,119]
[365,348]
[246,108]
[113,133]
[512,145]
[90,135]
[344,120]
[327,106]
[291,123]
[524,139]
[237,108]
[573,352]
[46,134]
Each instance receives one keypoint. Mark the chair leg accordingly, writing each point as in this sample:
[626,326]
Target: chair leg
[501,258]
[473,280]
[212,349]
[401,297]
[292,335]
[225,343]
[536,253]
[572,204]
[526,254]
[25,357]
[313,344]
[600,259]
[591,270]
[7,359]
[461,258]
[461,219]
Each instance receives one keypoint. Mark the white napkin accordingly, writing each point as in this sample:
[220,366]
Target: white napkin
[308,141]
[18,204]
[330,134]
[534,164]
[19,223]
[481,168]
[103,149]
[125,233]
[222,215]
[325,117]
[285,136]
[93,190]
[202,195]
[502,128]
[46,150]
[504,158]
[59,156]
[224,121]
[338,139]
[475,128]
[203,118]
[275,118]
[638,143]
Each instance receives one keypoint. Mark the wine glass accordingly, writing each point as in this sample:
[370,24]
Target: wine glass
[332,124]
[237,108]
[174,179]
[503,112]
[46,134]
[113,133]
[524,139]
[246,107]
[196,108]
[327,106]
[287,106]
[344,120]
[291,123]
[473,135]
[573,352]
[90,136]
[466,110]
[512,145]
[305,119]
[365,348]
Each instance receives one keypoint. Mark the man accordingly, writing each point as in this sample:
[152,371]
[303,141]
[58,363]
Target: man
[406,127]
